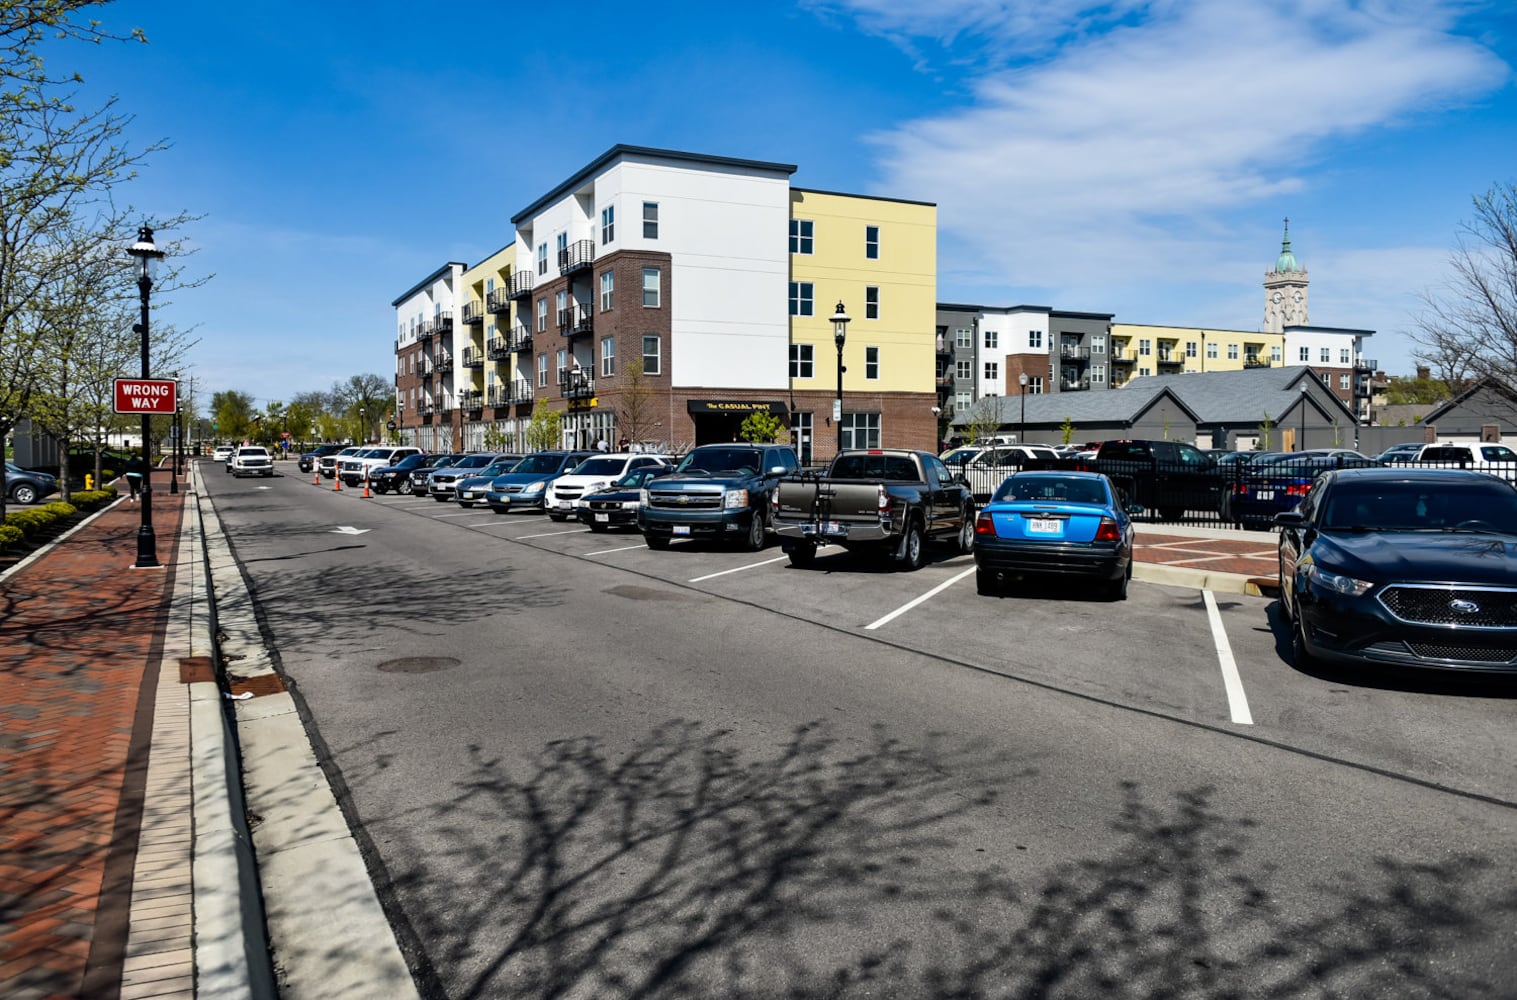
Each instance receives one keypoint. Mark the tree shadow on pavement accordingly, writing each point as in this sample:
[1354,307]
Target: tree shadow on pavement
[685,867]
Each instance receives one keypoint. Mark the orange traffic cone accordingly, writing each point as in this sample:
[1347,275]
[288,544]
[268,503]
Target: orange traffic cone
[337,484]
[366,487]
[315,477]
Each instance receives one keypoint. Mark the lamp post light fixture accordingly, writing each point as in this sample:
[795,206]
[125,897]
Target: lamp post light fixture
[1301,444]
[147,255]
[839,335]
[1022,427]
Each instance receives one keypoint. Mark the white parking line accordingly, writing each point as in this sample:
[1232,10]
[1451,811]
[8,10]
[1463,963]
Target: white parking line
[550,534]
[1237,702]
[911,604]
[462,513]
[710,576]
[624,548]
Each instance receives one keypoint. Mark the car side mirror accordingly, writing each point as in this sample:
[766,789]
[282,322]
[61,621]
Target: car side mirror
[1290,519]
[777,470]
[961,479]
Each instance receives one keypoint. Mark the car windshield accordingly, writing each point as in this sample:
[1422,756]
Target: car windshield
[1473,504]
[500,468]
[634,478]
[473,462]
[1044,489]
[252,451]
[745,460]
[600,467]
[537,464]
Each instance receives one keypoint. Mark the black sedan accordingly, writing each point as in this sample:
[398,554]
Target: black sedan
[616,505]
[396,477]
[1398,566]
[1270,485]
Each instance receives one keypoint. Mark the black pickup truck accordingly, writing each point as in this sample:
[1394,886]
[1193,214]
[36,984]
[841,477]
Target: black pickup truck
[718,491]
[890,501]
[1165,476]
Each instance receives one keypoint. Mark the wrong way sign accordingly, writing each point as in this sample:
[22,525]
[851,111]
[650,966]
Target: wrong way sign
[146,395]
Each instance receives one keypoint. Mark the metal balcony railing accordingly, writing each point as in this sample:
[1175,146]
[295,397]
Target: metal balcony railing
[576,384]
[519,286]
[576,256]
[474,312]
[499,395]
[444,362]
[498,301]
[1073,352]
[497,348]
[521,340]
[473,357]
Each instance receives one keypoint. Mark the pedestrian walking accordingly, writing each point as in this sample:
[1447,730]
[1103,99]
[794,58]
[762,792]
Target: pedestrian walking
[136,472]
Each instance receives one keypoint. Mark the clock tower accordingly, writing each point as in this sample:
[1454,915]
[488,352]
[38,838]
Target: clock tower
[1284,290]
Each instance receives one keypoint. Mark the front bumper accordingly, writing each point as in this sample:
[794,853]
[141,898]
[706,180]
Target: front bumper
[1360,630]
[694,523]
[610,517]
[1012,558]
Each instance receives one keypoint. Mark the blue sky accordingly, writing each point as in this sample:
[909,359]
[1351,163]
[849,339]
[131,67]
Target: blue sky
[1127,157]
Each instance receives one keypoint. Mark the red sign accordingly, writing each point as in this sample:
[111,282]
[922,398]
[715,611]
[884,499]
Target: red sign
[147,395]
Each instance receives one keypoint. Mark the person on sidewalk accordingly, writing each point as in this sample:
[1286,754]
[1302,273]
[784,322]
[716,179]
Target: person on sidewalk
[136,470]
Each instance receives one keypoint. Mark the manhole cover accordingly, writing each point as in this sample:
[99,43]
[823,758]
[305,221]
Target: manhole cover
[417,664]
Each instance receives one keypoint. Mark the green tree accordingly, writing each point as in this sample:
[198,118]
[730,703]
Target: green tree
[1264,430]
[546,429]
[232,412]
[1423,390]
[761,427]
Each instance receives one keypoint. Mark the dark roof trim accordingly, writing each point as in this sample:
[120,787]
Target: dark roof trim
[429,279]
[619,151]
[1067,314]
[965,307]
[871,197]
[1329,329]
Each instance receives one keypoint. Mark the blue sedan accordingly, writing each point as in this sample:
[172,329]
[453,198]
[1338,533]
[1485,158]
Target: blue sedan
[1056,524]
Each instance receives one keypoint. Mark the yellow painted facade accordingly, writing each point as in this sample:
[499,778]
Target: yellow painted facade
[491,274]
[1138,349]
[839,267]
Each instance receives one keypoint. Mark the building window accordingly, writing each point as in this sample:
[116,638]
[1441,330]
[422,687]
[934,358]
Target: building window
[871,302]
[992,371]
[871,363]
[561,306]
[651,287]
[1190,349]
[961,401]
[800,235]
[652,362]
[607,224]
[861,430]
[800,433]
[1211,350]
[542,370]
[542,258]
[542,315]
[801,361]
[1098,373]
[992,339]
[489,286]
[1144,372]
[1274,354]
[650,220]
[1327,380]
[1145,348]
[1343,381]
[963,337]
[561,243]
[607,291]
[1232,352]
[1326,354]
[1035,385]
[872,242]
[963,369]
[608,357]
[1343,356]
[1305,354]
[1098,345]
[800,298]
[563,365]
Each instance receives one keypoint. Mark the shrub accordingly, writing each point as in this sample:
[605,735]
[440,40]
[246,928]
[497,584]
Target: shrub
[10,535]
[31,522]
[59,509]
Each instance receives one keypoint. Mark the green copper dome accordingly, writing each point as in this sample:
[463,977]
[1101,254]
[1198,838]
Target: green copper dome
[1287,260]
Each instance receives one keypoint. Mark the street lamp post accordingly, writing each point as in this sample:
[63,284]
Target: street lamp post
[147,255]
[363,430]
[1022,427]
[839,335]
[1301,444]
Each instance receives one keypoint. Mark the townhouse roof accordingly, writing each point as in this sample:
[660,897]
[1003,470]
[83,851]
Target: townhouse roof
[424,282]
[867,197]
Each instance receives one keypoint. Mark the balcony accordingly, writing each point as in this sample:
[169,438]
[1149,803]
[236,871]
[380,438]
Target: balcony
[1170,360]
[471,401]
[945,380]
[1122,358]
[498,301]
[577,256]
[425,369]
[424,332]
[499,395]
[1254,361]
[1074,384]
[522,392]
[519,287]
[1363,364]
[474,313]
[945,349]
[442,323]
[577,384]
[575,320]
[445,406]
[444,362]
[426,410]
[1074,352]
[473,357]
[522,340]
[498,348]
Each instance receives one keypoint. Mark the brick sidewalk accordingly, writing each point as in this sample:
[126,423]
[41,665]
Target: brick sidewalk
[79,632]
[1255,554]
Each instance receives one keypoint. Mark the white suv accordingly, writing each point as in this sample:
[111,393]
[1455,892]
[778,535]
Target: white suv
[355,468]
[567,492]
[252,460]
[1495,459]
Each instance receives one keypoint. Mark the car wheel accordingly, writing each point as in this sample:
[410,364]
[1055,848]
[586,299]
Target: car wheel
[1118,588]
[912,556]
[802,555]
[966,532]
[754,540]
[1301,654]
[24,493]
[657,542]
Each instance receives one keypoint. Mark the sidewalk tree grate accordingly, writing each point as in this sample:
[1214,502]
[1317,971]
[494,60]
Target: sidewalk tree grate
[417,664]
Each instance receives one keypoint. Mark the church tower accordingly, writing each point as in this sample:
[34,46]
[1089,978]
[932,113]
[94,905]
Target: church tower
[1285,290]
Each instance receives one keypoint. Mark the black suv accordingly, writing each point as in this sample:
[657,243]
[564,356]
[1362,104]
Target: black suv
[308,459]
[397,477]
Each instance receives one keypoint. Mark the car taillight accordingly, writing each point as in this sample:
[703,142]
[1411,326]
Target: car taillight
[1297,489]
[983,525]
[884,501]
[1240,489]
[1108,531]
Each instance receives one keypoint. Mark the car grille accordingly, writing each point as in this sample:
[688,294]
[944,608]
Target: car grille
[685,501]
[568,493]
[1466,607]
[1441,651]
[604,504]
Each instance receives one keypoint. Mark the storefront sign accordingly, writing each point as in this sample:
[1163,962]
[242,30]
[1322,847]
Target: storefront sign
[735,406]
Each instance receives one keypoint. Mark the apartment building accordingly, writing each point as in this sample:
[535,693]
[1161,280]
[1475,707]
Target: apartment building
[661,297]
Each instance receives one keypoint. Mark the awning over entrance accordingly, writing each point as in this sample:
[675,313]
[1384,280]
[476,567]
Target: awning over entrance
[738,407]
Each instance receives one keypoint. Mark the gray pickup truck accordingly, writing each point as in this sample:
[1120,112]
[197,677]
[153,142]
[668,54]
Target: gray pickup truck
[889,501]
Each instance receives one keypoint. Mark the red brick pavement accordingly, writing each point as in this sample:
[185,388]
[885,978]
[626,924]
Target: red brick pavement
[1251,554]
[78,630]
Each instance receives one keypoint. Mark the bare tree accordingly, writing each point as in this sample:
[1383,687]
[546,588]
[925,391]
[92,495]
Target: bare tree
[634,402]
[1469,330]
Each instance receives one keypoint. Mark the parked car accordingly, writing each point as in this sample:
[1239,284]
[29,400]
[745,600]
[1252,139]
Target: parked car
[1166,476]
[889,501]
[716,491]
[1402,566]
[526,486]
[307,461]
[471,489]
[1497,459]
[567,492]
[424,469]
[397,475]
[1055,524]
[326,465]
[1396,454]
[987,470]
[26,486]
[441,482]
[356,468]
[252,460]
[617,505]
[1270,485]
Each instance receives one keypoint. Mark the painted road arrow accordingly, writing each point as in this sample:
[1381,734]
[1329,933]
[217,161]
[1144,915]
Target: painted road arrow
[346,530]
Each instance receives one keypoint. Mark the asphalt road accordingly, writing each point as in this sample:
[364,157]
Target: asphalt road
[582,768]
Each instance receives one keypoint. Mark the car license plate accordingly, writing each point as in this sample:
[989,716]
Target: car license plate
[564,505]
[1266,494]
[682,529]
[602,518]
[1044,526]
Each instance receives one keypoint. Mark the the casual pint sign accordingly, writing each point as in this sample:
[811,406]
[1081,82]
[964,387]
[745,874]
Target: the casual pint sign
[147,395]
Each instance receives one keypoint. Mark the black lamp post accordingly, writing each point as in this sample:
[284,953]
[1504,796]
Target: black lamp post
[363,430]
[839,335]
[1301,444]
[1022,427]
[147,255]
